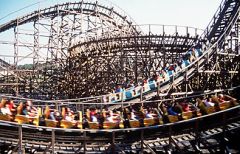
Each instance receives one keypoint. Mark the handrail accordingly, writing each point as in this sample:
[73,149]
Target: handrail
[161,30]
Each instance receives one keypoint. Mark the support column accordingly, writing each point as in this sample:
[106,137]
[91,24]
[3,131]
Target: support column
[224,147]
[84,142]
[16,47]
[169,138]
[197,136]
[158,88]
[122,95]
[20,150]
[53,140]
[142,137]
[141,95]
[186,83]
[34,75]
[113,149]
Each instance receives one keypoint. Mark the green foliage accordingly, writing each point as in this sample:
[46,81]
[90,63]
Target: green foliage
[25,67]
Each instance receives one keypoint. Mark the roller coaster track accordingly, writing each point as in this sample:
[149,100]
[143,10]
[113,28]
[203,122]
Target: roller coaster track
[4,63]
[218,26]
[71,8]
[147,51]
[192,134]
[221,20]
[227,15]
[174,42]
[63,24]
[178,136]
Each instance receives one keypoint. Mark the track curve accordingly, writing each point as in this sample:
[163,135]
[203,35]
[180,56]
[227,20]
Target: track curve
[150,52]
[71,8]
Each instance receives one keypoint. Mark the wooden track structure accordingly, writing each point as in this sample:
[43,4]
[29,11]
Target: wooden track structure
[217,68]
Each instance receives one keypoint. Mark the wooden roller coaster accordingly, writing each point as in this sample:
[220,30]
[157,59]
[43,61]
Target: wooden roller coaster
[85,63]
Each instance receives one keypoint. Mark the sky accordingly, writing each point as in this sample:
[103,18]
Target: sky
[194,13]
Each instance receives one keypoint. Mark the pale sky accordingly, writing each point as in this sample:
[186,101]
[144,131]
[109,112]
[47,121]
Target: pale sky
[194,13]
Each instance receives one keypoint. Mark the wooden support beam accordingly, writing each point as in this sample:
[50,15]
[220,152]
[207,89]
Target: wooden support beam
[84,142]
[20,150]
[113,149]
[142,142]
[53,140]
